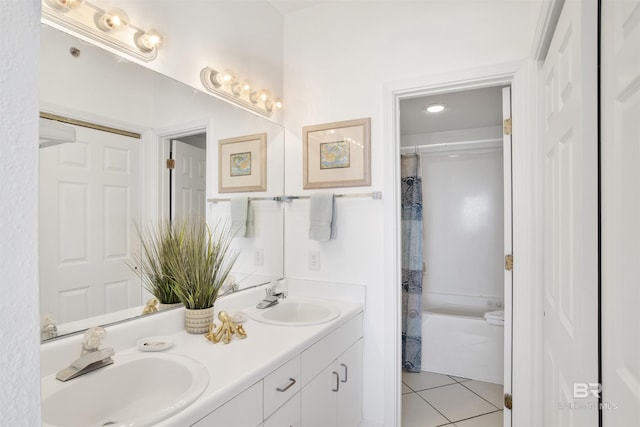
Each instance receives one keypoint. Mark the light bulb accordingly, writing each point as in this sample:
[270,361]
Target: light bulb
[277,103]
[254,96]
[218,78]
[113,20]
[434,108]
[148,41]
[63,5]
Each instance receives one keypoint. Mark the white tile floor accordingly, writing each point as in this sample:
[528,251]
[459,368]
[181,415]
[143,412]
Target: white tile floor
[431,400]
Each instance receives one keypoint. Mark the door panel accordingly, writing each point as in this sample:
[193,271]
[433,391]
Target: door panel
[88,209]
[189,183]
[571,223]
[620,156]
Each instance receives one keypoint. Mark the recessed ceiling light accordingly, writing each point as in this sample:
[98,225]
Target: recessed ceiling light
[434,108]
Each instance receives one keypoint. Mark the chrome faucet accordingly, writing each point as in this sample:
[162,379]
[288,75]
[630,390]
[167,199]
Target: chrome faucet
[91,358]
[276,291]
[277,288]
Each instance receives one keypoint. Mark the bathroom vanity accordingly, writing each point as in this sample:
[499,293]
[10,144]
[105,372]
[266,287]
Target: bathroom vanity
[279,375]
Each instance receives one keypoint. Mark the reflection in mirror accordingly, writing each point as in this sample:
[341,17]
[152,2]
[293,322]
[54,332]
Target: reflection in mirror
[96,190]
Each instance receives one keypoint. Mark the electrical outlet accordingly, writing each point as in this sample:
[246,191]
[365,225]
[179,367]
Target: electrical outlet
[258,256]
[314,260]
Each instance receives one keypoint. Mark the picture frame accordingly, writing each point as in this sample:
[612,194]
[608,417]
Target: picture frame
[337,154]
[242,164]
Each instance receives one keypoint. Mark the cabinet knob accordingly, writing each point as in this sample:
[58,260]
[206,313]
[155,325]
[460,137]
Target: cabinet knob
[337,388]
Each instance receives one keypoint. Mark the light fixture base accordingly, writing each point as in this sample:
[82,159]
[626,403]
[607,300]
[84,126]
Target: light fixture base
[82,21]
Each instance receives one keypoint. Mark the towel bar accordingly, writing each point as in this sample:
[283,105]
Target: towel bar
[375,195]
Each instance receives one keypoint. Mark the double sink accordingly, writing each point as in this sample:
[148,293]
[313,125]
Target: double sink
[141,389]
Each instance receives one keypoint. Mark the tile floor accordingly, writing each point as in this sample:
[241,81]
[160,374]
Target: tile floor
[431,400]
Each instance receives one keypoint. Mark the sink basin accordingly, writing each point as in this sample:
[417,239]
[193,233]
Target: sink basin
[137,390]
[296,312]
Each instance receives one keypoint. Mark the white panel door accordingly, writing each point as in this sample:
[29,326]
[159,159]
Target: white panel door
[570,298]
[620,156]
[89,206]
[189,181]
[508,249]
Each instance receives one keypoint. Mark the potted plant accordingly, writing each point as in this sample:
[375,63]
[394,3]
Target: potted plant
[199,261]
[151,263]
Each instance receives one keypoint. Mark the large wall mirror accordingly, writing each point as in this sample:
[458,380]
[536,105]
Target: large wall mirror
[95,191]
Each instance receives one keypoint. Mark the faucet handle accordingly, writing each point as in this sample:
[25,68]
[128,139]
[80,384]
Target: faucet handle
[92,340]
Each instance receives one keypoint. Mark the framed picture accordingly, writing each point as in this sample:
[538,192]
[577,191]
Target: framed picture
[242,164]
[337,154]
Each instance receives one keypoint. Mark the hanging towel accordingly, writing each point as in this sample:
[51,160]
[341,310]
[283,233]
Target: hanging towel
[251,231]
[239,207]
[495,317]
[321,221]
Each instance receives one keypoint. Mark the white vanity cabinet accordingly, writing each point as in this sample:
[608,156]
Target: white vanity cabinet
[321,386]
[334,397]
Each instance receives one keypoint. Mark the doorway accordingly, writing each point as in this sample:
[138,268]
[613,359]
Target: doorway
[181,172]
[463,151]
[188,177]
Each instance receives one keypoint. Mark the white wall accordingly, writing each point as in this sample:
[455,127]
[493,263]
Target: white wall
[19,318]
[463,224]
[338,57]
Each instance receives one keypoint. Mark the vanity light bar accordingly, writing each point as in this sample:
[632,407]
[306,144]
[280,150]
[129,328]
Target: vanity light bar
[226,85]
[111,28]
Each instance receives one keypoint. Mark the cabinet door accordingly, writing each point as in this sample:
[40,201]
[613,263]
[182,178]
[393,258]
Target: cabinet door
[319,396]
[349,368]
[287,416]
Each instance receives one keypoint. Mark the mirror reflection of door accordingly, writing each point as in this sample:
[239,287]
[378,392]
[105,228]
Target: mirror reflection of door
[89,205]
[188,178]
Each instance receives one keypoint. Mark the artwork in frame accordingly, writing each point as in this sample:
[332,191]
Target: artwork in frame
[337,154]
[242,164]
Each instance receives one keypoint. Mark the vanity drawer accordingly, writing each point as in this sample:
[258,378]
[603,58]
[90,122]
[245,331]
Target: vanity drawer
[287,416]
[280,385]
[244,410]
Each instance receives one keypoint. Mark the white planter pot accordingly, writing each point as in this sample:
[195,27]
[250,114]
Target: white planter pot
[198,321]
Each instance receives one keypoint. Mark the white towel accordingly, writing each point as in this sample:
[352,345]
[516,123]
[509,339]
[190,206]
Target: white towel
[239,207]
[321,217]
[251,231]
[495,315]
[495,322]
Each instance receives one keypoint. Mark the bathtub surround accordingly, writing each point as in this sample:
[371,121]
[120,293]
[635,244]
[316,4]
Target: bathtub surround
[412,237]
[458,340]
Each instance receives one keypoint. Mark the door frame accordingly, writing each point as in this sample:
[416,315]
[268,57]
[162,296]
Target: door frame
[527,215]
[158,203]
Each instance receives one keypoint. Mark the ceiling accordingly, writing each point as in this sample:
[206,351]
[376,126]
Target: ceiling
[289,6]
[464,110]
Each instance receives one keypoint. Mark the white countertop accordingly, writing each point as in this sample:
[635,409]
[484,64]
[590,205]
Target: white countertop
[232,367]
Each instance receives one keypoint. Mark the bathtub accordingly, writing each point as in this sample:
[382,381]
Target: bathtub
[457,341]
